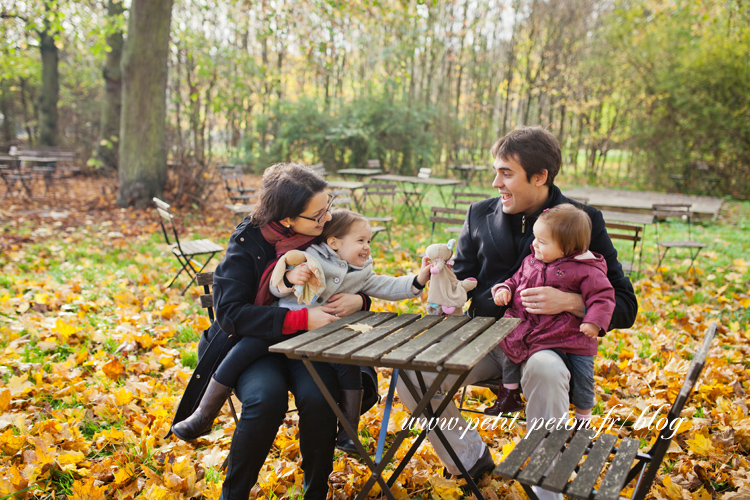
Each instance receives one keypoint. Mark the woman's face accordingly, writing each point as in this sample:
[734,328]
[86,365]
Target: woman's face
[312,219]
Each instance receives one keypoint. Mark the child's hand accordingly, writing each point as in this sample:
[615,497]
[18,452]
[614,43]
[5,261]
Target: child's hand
[590,330]
[502,297]
[299,275]
[424,273]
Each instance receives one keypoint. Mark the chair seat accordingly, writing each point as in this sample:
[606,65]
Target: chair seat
[380,219]
[681,244]
[197,247]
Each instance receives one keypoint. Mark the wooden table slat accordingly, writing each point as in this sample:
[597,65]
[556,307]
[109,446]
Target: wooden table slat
[543,456]
[344,351]
[583,485]
[407,352]
[396,339]
[480,346]
[290,345]
[342,335]
[511,466]
[438,353]
[558,477]
[612,484]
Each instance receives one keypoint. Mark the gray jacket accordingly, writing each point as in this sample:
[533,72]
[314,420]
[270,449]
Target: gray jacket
[342,277]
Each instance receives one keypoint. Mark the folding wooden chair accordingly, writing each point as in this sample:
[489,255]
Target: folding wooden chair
[464,198]
[632,233]
[453,217]
[235,187]
[377,201]
[184,251]
[552,459]
[664,211]
[319,169]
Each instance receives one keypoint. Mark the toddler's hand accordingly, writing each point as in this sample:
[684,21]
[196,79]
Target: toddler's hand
[299,275]
[590,330]
[424,273]
[502,297]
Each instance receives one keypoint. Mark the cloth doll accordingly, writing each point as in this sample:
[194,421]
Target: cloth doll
[308,292]
[446,291]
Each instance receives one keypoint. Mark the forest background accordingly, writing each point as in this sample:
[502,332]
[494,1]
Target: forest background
[658,88]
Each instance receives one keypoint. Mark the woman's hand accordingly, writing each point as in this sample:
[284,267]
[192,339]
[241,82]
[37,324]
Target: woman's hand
[317,317]
[343,304]
[299,275]
[550,301]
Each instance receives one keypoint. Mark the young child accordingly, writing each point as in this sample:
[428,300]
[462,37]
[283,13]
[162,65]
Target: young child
[343,252]
[560,258]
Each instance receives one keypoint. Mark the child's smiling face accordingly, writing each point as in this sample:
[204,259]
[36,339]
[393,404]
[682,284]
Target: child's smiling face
[354,247]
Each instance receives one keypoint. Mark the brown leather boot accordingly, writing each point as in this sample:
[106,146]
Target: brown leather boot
[200,422]
[508,401]
[350,404]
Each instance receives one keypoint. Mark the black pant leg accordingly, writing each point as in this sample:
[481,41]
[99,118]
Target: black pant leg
[263,389]
[241,356]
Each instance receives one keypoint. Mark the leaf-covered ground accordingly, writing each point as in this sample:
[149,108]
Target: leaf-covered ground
[95,352]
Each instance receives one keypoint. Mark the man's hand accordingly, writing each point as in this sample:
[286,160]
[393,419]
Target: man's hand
[299,275]
[550,301]
[590,330]
[502,296]
[317,317]
[343,304]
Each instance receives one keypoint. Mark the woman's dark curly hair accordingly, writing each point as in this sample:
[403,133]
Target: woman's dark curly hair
[285,191]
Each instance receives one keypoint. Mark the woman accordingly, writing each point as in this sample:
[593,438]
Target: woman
[291,211]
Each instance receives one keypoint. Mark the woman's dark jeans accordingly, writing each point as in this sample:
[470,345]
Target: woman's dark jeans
[263,388]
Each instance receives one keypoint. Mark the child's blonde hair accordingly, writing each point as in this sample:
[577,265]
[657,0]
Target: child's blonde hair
[340,224]
[569,226]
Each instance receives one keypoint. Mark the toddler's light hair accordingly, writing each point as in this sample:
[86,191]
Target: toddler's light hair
[569,226]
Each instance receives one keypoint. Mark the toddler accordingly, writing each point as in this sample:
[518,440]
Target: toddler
[560,258]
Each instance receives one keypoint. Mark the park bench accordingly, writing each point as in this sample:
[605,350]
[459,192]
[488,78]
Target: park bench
[547,459]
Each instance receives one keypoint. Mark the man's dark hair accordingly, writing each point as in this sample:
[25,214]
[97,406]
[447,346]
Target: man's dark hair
[534,148]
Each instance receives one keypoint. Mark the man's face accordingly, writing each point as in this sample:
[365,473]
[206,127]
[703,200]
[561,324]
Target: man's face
[518,194]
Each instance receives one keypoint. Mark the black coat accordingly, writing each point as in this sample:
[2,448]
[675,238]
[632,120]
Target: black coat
[493,244]
[236,281]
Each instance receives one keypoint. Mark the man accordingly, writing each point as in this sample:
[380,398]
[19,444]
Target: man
[495,239]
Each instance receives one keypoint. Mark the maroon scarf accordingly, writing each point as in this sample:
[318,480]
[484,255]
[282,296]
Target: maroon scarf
[283,239]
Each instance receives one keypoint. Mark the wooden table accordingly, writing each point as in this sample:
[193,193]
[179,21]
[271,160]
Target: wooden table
[360,173]
[420,182]
[630,218]
[466,172]
[450,345]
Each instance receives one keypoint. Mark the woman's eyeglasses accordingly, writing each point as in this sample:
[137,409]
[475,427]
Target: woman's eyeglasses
[322,216]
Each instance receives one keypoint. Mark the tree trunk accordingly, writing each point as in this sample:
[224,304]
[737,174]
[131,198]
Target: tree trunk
[50,90]
[143,155]
[109,128]
[8,133]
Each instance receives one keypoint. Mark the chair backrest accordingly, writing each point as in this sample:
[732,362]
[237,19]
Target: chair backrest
[376,197]
[660,447]
[166,216]
[462,198]
[424,173]
[342,198]
[373,163]
[627,232]
[445,215]
[579,199]
[206,280]
[319,169]
[664,211]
